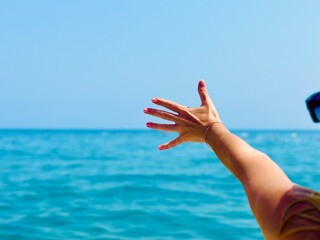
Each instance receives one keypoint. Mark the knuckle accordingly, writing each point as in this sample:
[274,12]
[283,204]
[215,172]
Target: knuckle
[183,108]
[203,91]
[163,101]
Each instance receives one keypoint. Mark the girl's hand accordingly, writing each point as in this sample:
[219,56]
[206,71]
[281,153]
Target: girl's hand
[192,124]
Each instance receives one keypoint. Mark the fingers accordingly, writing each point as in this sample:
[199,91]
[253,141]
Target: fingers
[168,104]
[182,110]
[203,93]
[162,114]
[171,144]
[162,127]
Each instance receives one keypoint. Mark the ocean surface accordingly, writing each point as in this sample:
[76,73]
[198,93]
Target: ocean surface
[116,185]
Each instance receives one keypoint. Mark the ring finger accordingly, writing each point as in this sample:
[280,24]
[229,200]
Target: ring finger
[162,114]
[162,127]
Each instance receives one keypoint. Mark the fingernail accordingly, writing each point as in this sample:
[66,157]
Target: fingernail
[149,124]
[161,147]
[154,100]
[146,110]
[201,83]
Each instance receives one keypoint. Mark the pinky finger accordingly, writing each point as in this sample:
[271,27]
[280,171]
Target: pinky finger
[171,144]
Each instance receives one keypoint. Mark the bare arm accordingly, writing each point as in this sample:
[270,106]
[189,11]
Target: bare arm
[264,182]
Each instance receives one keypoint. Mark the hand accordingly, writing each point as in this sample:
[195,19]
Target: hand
[191,123]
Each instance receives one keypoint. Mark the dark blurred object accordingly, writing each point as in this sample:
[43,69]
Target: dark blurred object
[313,104]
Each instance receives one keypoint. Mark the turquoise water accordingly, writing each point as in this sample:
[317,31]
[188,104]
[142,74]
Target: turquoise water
[117,185]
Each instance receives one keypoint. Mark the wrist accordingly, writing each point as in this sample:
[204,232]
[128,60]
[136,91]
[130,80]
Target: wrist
[215,135]
[211,125]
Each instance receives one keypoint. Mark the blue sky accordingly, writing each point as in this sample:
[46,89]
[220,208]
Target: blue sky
[97,64]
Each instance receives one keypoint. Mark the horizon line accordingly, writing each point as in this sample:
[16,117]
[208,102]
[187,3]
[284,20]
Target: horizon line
[147,129]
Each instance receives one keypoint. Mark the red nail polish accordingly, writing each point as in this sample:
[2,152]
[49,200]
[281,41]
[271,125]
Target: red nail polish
[146,110]
[154,100]
[201,84]
[149,124]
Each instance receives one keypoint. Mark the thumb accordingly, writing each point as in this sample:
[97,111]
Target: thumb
[203,92]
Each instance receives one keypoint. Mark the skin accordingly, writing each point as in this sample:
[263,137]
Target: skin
[266,185]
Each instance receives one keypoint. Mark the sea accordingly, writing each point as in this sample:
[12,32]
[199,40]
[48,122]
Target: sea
[116,184]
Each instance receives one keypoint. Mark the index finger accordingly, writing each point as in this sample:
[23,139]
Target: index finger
[168,104]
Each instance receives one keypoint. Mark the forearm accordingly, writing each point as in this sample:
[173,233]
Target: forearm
[263,180]
[238,156]
[232,151]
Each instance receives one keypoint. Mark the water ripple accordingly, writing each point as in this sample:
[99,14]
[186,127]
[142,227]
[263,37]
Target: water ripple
[116,185]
